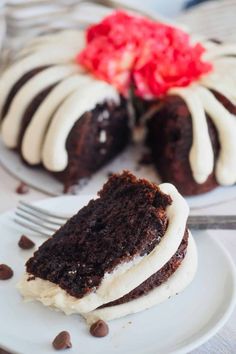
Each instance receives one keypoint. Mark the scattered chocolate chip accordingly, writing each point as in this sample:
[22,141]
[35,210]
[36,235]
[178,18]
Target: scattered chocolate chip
[62,341]
[25,243]
[99,329]
[22,188]
[5,272]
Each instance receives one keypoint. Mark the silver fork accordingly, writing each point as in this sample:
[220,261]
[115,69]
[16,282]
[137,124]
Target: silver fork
[45,222]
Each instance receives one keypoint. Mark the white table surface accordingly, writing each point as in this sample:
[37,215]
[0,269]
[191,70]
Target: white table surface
[222,343]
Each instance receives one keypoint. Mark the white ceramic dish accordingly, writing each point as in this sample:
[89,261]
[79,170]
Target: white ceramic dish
[39,179]
[176,326]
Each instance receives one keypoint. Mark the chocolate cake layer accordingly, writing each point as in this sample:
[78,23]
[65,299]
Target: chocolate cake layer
[96,138]
[30,110]
[127,220]
[16,87]
[158,278]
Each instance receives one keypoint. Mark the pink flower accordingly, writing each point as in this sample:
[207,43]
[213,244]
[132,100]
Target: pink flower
[156,56]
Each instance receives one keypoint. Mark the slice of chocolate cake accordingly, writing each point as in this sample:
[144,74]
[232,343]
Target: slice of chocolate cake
[115,253]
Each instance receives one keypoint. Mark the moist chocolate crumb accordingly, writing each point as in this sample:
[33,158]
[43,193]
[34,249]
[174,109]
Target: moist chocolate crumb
[99,329]
[22,188]
[25,243]
[62,341]
[129,214]
[5,272]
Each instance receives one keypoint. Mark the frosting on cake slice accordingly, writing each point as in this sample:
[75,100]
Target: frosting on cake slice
[176,283]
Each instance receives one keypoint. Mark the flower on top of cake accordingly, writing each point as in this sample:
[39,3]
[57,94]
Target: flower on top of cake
[126,49]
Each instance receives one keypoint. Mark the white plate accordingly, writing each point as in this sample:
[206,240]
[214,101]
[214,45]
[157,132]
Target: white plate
[41,180]
[177,326]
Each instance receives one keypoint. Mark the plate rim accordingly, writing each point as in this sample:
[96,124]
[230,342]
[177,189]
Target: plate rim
[230,308]
[230,263]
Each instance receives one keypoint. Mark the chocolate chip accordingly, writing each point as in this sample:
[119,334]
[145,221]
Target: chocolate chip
[99,329]
[62,341]
[22,188]
[5,272]
[25,243]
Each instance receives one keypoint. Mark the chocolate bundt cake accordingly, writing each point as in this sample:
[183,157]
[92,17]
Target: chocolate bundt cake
[63,101]
[55,115]
[124,252]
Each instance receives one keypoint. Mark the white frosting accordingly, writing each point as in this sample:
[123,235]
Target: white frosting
[34,134]
[221,87]
[222,78]
[51,295]
[69,37]
[200,101]
[12,122]
[220,50]
[201,145]
[225,124]
[54,154]
[176,283]
[126,276]
[64,52]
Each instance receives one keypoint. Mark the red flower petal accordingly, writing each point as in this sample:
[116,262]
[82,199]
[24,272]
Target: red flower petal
[157,56]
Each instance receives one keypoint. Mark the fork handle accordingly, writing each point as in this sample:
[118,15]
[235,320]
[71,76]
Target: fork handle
[212,222]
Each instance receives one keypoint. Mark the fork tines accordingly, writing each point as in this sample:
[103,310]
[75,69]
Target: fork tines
[37,219]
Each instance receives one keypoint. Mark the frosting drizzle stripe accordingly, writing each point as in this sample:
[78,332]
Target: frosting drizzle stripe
[12,122]
[54,154]
[201,155]
[34,135]
[225,123]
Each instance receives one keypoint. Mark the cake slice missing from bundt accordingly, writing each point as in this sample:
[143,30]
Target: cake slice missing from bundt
[124,252]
